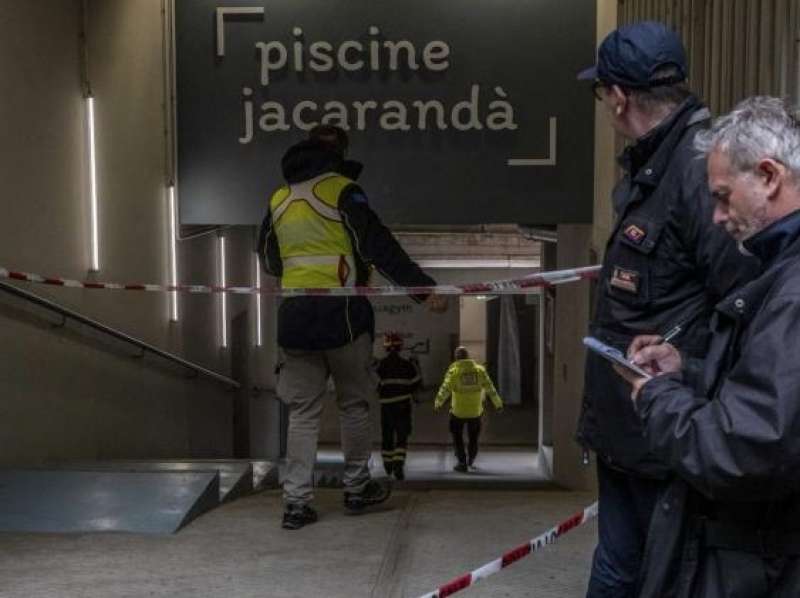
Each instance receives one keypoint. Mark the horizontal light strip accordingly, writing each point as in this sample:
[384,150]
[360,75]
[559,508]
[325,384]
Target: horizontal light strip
[481,263]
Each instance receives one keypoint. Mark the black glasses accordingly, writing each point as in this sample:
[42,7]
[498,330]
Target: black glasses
[596,87]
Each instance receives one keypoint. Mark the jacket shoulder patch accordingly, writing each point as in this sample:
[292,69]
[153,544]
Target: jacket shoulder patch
[635,234]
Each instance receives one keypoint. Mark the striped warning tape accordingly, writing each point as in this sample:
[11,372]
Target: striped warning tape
[499,287]
[515,554]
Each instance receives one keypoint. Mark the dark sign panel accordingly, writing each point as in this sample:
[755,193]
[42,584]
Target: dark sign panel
[463,111]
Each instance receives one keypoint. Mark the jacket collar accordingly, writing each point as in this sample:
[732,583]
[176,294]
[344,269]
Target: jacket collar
[780,244]
[770,243]
[351,169]
[646,160]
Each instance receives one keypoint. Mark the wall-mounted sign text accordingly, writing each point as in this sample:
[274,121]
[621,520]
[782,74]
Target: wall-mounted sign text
[464,111]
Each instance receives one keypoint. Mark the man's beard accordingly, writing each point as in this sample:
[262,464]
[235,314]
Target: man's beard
[758,222]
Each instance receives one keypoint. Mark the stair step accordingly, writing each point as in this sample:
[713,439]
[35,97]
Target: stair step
[237,477]
[59,501]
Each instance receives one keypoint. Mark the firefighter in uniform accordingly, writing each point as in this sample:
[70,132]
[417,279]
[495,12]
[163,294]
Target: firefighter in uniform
[465,384]
[399,378]
[319,232]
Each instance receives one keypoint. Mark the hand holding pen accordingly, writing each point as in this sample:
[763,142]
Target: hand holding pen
[654,353]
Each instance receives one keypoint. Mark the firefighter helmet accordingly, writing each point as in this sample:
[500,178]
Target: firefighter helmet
[392,341]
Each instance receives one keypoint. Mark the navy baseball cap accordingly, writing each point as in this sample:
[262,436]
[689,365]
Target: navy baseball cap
[631,55]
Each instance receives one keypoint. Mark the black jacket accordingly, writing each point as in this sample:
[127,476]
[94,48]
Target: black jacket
[399,377]
[320,323]
[734,442]
[665,264]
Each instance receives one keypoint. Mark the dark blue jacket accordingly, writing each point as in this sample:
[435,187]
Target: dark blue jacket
[665,264]
[729,525]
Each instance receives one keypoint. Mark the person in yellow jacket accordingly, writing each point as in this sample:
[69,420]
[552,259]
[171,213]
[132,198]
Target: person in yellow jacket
[465,384]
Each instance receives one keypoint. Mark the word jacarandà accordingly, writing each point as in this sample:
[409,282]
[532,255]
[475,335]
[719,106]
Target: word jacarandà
[480,110]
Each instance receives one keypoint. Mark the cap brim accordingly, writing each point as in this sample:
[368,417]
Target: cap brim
[589,74]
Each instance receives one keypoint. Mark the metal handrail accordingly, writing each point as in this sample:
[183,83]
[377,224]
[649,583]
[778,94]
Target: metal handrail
[67,313]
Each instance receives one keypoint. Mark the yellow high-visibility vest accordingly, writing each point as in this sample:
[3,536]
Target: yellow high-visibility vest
[315,248]
[465,384]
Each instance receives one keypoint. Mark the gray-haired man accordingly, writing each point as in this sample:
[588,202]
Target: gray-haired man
[730,426]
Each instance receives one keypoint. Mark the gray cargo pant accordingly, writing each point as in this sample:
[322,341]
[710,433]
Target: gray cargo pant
[302,383]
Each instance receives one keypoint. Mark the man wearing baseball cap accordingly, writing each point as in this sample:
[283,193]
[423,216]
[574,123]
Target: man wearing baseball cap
[665,266]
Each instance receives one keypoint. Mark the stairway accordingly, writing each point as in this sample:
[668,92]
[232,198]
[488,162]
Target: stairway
[157,497]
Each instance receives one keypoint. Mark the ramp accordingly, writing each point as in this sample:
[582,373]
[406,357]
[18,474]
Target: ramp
[59,501]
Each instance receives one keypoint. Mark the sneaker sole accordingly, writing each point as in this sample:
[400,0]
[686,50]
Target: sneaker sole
[294,526]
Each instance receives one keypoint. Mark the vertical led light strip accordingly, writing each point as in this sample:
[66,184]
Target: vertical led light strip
[95,252]
[173,256]
[223,296]
[259,339]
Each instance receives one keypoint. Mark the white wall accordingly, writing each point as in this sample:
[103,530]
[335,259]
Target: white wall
[67,392]
[473,327]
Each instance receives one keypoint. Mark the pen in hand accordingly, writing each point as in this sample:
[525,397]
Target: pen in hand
[667,337]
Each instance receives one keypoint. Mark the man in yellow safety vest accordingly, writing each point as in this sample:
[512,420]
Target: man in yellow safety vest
[320,232]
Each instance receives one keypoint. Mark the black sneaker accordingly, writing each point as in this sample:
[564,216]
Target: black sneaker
[376,491]
[461,468]
[296,516]
[399,474]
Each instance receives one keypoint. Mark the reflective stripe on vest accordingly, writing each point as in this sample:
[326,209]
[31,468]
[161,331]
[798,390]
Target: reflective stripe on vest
[315,248]
[400,381]
[390,400]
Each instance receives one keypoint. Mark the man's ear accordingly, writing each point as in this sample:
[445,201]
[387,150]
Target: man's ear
[619,99]
[772,174]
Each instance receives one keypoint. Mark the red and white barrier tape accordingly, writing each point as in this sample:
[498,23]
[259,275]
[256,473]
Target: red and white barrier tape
[500,287]
[512,556]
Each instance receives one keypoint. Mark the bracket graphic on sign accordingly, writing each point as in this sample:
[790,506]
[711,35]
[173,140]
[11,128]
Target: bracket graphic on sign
[551,158]
[223,12]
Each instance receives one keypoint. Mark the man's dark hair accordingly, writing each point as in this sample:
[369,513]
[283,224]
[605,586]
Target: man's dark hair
[462,353]
[658,97]
[332,136]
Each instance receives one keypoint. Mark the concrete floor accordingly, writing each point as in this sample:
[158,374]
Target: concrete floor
[414,543]
[495,467]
